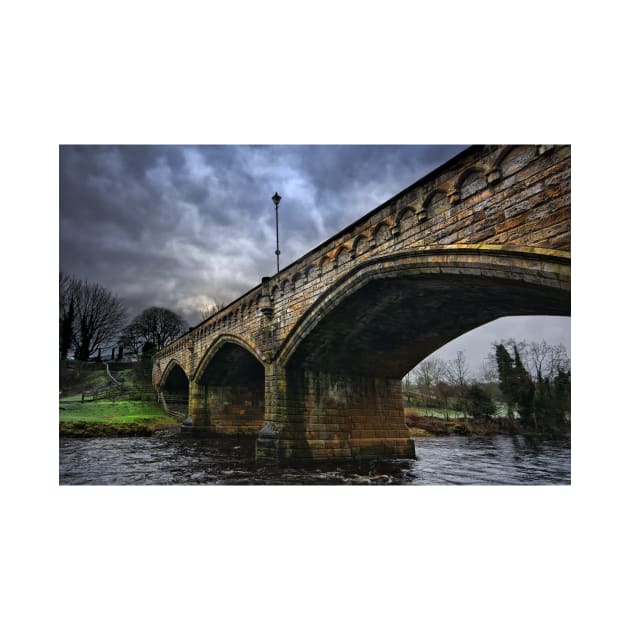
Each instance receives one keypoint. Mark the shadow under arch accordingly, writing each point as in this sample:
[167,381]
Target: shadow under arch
[230,387]
[345,358]
[173,389]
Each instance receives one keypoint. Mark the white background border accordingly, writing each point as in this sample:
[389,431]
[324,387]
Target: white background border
[342,72]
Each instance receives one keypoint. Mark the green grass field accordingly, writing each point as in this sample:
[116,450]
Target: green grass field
[123,411]
[107,419]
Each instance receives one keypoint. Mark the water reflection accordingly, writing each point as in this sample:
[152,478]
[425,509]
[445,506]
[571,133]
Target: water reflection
[173,458]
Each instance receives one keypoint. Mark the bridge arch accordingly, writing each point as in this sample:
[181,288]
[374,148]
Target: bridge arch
[173,364]
[229,385]
[523,281]
[173,388]
[213,349]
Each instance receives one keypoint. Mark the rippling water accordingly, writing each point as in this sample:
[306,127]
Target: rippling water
[174,458]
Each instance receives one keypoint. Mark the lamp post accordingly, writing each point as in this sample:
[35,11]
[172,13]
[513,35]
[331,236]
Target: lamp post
[276,199]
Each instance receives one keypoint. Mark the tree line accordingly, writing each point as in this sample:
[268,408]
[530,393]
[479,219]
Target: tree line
[91,319]
[524,383]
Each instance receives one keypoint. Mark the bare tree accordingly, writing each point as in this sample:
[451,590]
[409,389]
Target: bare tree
[429,373]
[458,374]
[67,312]
[542,360]
[409,382]
[458,371]
[156,325]
[98,319]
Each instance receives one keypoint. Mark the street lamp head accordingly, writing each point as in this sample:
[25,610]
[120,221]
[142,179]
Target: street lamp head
[276,199]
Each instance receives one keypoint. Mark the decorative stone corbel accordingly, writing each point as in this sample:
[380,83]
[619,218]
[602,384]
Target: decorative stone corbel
[453,197]
[266,307]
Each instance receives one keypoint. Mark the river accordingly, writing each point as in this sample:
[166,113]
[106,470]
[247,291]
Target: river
[172,458]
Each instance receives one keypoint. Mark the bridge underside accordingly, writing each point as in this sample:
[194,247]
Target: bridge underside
[341,379]
[385,328]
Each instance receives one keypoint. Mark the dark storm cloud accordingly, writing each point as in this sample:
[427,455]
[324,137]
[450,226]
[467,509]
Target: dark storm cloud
[181,226]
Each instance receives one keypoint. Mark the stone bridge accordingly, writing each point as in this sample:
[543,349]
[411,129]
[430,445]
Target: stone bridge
[311,359]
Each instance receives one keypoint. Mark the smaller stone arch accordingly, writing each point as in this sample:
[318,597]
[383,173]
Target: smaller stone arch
[174,388]
[341,256]
[360,245]
[296,280]
[310,272]
[513,158]
[218,343]
[406,218]
[284,287]
[171,365]
[435,202]
[381,233]
[326,265]
[470,182]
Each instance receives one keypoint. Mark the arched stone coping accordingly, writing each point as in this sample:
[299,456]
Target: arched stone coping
[534,265]
[221,341]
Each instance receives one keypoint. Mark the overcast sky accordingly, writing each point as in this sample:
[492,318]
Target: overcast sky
[184,226]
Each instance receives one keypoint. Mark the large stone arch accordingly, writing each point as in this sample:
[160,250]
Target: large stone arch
[520,274]
[229,388]
[344,359]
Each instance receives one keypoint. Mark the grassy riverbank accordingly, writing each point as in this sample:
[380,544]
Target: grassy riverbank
[432,422]
[106,418]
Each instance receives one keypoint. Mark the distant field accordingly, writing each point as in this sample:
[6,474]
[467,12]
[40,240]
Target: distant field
[435,413]
[453,413]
